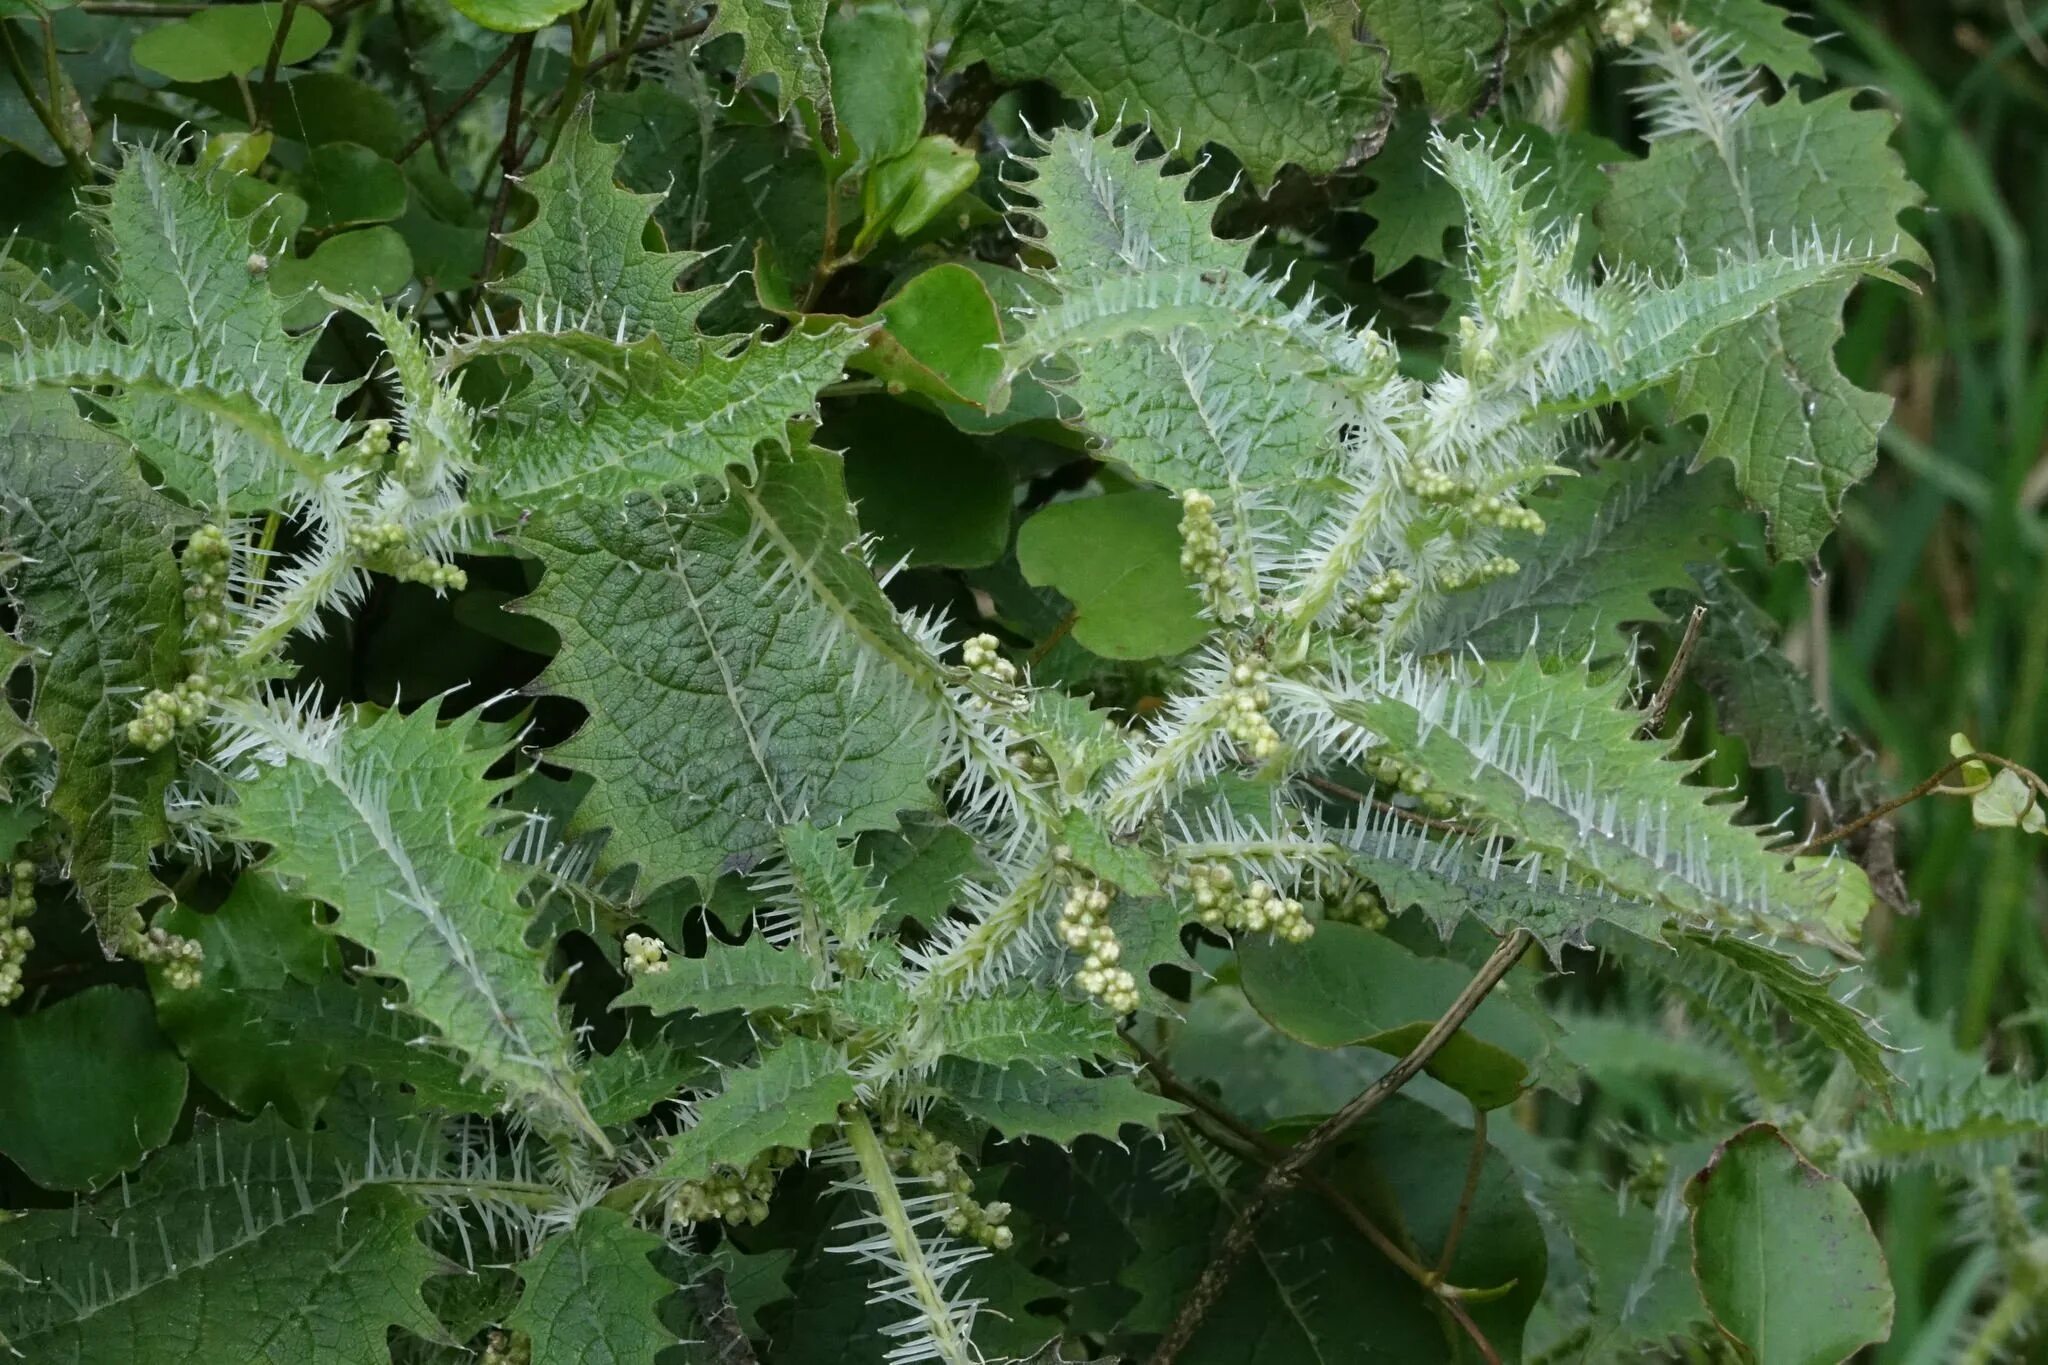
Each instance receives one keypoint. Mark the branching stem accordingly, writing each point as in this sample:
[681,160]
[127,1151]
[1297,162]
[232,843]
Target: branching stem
[1237,1239]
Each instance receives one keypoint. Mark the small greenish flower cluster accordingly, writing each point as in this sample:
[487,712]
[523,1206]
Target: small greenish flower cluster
[1356,902]
[374,445]
[1409,780]
[164,713]
[913,1149]
[1258,909]
[387,548]
[1084,927]
[1504,513]
[1486,509]
[1245,702]
[15,939]
[1624,21]
[983,655]
[646,955]
[1201,556]
[738,1197]
[204,564]
[1478,575]
[508,1348]
[205,561]
[180,957]
[1034,763]
[1363,610]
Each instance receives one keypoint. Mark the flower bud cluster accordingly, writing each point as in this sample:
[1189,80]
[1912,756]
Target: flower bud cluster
[1407,779]
[1258,909]
[180,957]
[1034,763]
[374,444]
[1202,556]
[508,1348]
[1245,702]
[738,1197]
[1504,513]
[1084,927]
[913,1149]
[1363,609]
[646,955]
[983,655]
[1477,575]
[164,713]
[206,559]
[1624,21]
[15,939]
[386,547]
[1356,902]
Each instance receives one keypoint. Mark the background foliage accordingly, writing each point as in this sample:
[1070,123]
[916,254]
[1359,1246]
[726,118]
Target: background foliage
[494,876]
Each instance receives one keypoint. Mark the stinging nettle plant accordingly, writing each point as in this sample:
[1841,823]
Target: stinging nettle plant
[820,940]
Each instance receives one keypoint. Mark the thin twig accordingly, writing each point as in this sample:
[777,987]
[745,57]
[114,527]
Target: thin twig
[1053,637]
[1660,705]
[462,102]
[1920,789]
[1473,1170]
[508,153]
[422,88]
[1237,1238]
[270,63]
[679,35]
[1252,1143]
[1344,793]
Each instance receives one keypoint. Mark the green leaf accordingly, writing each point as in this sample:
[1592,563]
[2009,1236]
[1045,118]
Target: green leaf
[371,263]
[1761,32]
[1117,559]
[1195,373]
[514,16]
[1615,539]
[229,40]
[591,1294]
[754,976]
[793,1089]
[1124,866]
[389,820]
[1024,1100]
[790,707]
[1350,985]
[100,601]
[1797,431]
[784,39]
[91,1085]
[1449,46]
[1245,74]
[346,185]
[904,194]
[1026,1026]
[646,421]
[926,492]
[876,52]
[1451,880]
[922,866]
[584,253]
[1810,997]
[259,942]
[831,890]
[248,1243]
[217,400]
[939,336]
[1785,1258]
[1551,753]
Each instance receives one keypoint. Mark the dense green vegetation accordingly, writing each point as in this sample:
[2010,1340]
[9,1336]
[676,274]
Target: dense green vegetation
[1168,680]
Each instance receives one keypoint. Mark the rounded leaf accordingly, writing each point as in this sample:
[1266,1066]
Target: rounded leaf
[1117,559]
[1784,1256]
[91,1087]
[229,40]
